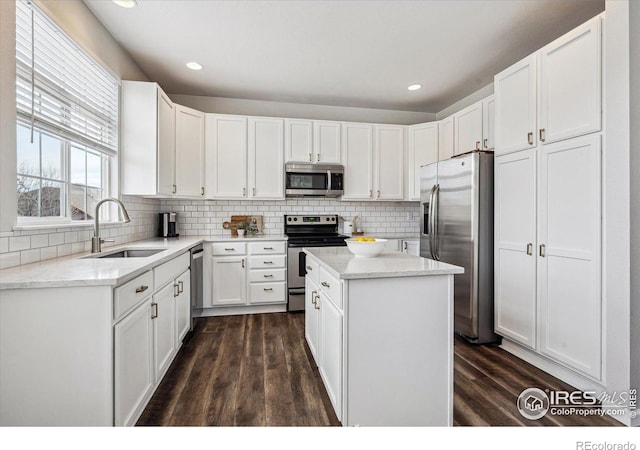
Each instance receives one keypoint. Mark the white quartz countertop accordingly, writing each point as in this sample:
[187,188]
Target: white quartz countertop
[344,264]
[261,237]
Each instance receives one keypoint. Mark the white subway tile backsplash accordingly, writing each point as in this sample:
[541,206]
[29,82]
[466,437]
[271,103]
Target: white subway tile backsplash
[4,244]
[18,243]
[29,256]
[9,260]
[39,240]
[48,252]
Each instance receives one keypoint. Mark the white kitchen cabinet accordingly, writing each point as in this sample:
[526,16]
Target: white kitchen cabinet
[312,318]
[147,139]
[312,141]
[468,129]
[570,84]
[164,328]
[553,94]
[393,245]
[389,162]
[266,158]
[267,273]
[410,246]
[488,123]
[358,161]
[226,156]
[229,285]
[446,139]
[569,247]
[133,364]
[330,366]
[327,141]
[183,305]
[190,152]
[515,239]
[423,150]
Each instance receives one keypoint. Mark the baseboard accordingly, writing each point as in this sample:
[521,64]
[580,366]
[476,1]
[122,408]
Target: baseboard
[239,310]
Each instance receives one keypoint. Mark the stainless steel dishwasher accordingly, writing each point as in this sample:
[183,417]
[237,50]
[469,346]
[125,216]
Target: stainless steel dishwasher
[197,253]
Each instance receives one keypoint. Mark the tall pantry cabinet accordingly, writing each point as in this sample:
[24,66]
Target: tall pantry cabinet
[548,201]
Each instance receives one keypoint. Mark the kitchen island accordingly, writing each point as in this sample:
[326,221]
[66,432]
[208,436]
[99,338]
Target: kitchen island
[381,332]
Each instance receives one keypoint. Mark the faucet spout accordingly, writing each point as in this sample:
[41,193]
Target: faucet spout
[96,241]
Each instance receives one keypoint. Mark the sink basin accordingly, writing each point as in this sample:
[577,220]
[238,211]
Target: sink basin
[128,253]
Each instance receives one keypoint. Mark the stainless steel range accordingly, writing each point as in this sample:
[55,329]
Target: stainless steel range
[306,231]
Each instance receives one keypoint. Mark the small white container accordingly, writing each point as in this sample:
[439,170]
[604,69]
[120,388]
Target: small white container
[240,232]
[347,227]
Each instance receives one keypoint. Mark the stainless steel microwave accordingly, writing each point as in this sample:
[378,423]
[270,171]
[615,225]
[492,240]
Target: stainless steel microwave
[314,180]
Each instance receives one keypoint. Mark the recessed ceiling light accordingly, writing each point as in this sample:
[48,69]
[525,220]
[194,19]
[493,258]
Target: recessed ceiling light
[414,87]
[194,65]
[125,3]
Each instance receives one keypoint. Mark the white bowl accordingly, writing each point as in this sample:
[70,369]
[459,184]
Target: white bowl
[366,249]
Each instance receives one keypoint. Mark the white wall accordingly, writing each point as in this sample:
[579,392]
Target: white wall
[222,105]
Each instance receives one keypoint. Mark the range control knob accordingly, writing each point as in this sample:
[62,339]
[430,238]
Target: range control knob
[288,219]
[295,219]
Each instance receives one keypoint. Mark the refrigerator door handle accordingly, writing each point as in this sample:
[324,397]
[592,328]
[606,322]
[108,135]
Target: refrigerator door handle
[430,224]
[434,230]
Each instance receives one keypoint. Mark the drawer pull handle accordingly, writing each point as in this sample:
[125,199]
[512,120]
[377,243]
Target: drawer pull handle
[154,314]
[267,262]
[229,249]
[325,284]
[268,276]
[310,269]
[268,289]
[268,248]
[141,289]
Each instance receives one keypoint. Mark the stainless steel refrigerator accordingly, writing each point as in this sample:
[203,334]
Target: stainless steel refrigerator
[456,227]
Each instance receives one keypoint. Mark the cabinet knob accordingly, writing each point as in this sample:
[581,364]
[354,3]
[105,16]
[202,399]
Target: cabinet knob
[309,268]
[530,138]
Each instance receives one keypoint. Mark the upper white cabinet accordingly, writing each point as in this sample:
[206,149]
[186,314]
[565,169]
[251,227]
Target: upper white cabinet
[312,141]
[162,144]
[266,158]
[189,152]
[445,138]
[226,148]
[468,129]
[147,139]
[423,150]
[244,157]
[488,122]
[373,161]
[553,94]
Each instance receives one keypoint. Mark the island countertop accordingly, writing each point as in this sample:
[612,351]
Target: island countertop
[345,265]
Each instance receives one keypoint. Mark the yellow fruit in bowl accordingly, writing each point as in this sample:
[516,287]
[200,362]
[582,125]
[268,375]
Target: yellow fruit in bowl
[365,239]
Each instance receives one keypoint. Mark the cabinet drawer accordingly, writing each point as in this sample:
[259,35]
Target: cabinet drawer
[170,270]
[266,275]
[313,269]
[229,248]
[267,262]
[267,293]
[331,286]
[266,248]
[130,294]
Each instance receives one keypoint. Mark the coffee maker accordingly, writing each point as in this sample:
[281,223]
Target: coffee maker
[168,225]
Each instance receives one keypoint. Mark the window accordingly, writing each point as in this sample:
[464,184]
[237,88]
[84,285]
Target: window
[67,130]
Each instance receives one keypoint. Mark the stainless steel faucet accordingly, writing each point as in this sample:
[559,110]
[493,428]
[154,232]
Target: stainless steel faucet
[96,241]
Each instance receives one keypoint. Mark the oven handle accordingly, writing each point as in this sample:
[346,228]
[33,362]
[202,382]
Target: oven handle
[342,244]
[302,263]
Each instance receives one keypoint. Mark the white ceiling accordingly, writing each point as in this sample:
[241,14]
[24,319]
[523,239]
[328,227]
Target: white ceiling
[341,53]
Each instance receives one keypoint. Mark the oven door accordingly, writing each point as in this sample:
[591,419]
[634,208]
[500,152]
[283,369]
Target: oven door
[296,260]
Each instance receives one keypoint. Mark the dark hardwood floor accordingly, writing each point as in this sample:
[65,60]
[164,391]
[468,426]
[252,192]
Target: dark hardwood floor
[256,370]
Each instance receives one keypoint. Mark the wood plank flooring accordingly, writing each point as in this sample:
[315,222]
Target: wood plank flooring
[256,370]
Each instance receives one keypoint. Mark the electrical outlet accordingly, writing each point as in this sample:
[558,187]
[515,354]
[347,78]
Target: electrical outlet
[409,216]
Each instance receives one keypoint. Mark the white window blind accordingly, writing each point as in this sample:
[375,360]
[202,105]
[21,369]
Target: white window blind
[60,89]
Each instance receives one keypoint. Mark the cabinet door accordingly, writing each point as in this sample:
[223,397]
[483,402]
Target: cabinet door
[357,144]
[570,84]
[389,166]
[166,145]
[326,141]
[229,281]
[189,152]
[569,253]
[133,364]
[392,244]
[488,123]
[515,97]
[330,366]
[164,328]
[183,306]
[311,317]
[298,140]
[266,158]
[515,239]
[226,150]
[468,129]
[423,150]
[411,247]
[445,139]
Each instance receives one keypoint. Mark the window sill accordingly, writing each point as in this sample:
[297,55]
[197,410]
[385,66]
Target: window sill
[49,226]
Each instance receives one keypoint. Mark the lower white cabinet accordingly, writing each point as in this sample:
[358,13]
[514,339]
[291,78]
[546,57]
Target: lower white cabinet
[410,246]
[183,305]
[164,328]
[392,244]
[312,317]
[229,285]
[330,366]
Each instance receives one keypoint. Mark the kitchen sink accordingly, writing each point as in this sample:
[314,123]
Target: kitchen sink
[128,253]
